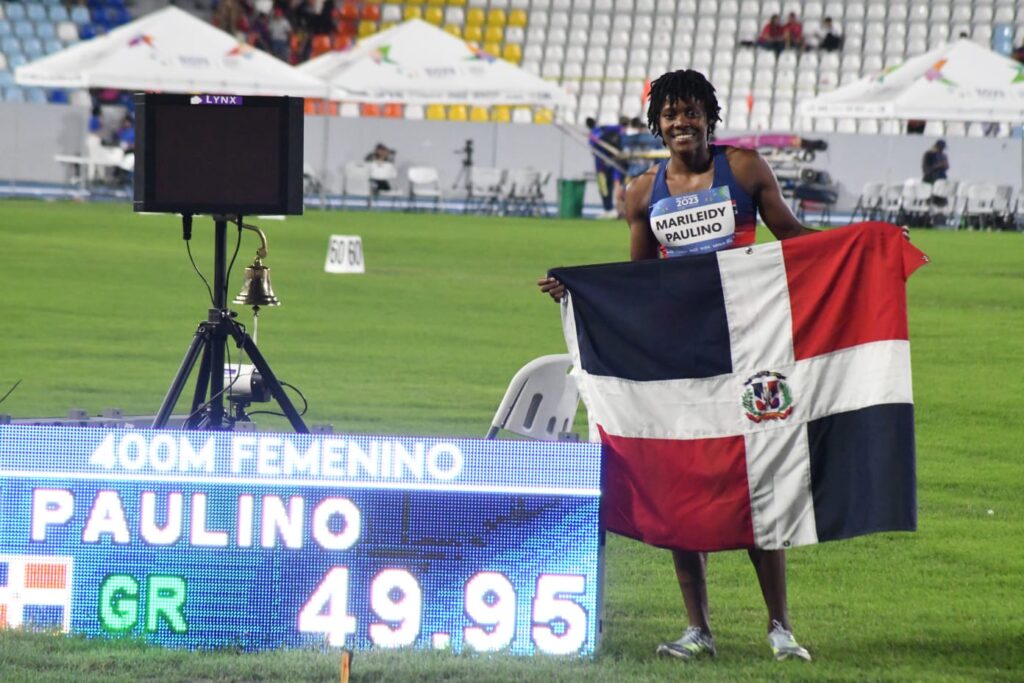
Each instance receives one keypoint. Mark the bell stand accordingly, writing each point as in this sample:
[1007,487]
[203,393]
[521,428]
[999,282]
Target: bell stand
[209,340]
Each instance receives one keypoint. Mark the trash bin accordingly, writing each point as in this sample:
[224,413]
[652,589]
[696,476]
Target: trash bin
[570,197]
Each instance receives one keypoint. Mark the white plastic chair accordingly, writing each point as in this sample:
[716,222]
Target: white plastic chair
[387,173]
[944,201]
[486,188]
[980,211]
[540,402]
[357,180]
[424,183]
[524,196]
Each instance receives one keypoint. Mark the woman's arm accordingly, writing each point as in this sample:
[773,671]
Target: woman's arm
[642,244]
[756,177]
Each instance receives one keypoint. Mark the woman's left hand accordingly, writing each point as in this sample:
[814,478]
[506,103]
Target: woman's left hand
[552,287]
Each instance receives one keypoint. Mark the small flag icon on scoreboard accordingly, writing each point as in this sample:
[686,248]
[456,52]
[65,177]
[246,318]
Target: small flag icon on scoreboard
[35,591]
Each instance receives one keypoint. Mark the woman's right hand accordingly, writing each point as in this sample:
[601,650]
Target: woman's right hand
[552,287]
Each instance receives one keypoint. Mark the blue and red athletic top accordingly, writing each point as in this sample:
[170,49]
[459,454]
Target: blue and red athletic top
[723,182]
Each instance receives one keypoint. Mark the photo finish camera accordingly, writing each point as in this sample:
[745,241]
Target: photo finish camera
[218,154]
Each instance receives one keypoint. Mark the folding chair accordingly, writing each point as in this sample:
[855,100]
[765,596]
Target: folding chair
[425,183]
[980,211]
[869,203]
[892,202]
[540,402]
[918,205]
[357,180]
[312,185]
[1003,208]
[485,189]
[383,173]
[943,201]
[521,198]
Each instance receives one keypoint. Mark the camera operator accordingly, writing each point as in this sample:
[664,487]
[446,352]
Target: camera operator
[382,168]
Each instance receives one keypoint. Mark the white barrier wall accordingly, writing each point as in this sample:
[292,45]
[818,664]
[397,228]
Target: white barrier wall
[31,134]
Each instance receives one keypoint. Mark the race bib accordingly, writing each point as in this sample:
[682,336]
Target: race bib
[696,222]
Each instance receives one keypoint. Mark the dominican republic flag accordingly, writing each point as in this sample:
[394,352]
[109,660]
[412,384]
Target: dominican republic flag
[35,591]
[755,397]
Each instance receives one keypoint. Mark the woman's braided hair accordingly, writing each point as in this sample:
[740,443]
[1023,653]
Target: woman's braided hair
[684,85]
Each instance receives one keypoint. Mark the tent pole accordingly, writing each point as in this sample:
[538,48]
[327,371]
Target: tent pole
[323,157]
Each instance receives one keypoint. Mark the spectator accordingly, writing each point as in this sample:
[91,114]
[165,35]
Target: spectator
[606,141]
[935,164]
[126,142]
[259,32]
[829,38]
[773,35]
[126,134]
[324,23]
[280,30]
[96,121]
[306,16]
[228,16]
[793,32]
[382,168]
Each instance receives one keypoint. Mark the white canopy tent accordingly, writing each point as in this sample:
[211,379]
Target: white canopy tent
[418,63]
[959,81]
[169,51]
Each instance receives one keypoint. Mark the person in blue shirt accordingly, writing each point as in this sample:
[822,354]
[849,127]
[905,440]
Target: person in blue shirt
[126,135]
[96,121]
[606,141]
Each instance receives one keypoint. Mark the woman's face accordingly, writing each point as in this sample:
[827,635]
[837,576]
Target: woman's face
[684,125]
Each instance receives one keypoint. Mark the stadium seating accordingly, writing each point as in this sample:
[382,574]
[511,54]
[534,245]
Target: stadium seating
[30,30]
[602,52]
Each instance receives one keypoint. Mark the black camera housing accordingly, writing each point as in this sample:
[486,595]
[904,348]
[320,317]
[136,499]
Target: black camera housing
[218,154]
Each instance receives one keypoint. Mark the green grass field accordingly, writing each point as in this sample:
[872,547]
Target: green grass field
[100,304]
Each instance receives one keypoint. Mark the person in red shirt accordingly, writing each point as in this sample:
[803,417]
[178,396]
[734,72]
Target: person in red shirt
[773,35]
[793,32]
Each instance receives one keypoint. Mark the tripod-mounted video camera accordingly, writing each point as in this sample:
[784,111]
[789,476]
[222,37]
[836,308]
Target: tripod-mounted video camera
[465,177]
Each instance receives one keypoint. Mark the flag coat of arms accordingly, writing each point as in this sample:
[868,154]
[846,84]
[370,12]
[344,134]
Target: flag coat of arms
[756,397]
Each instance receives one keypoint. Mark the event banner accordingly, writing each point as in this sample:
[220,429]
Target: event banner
[259,540]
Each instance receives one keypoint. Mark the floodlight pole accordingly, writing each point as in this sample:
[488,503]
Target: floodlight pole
[209,340]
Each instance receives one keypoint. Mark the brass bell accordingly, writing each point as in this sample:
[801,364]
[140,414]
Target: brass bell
[256,291]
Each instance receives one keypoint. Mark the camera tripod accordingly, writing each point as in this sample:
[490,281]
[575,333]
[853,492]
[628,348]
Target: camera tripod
[465,176]
[209,341]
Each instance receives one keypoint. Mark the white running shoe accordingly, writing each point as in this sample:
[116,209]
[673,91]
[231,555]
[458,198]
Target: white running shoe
[693,644]
[784,645]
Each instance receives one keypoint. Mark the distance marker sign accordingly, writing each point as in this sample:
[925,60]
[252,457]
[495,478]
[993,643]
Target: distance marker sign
[256,540]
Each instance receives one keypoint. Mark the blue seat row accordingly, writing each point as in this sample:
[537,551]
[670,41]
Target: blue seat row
[17,94]
[52,9]
[26,28]
[33,48]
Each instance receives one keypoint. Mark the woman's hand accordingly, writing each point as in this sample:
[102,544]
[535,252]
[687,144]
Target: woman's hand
[552,287]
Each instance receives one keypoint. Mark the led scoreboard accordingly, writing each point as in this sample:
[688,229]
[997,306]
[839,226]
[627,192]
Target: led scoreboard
[256,540]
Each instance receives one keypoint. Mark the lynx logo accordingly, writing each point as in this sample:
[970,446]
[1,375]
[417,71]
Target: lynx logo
[216,99]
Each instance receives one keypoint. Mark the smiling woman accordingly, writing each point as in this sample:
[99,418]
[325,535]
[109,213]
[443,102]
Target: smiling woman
[702,199]
[699,177]
[715,192]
